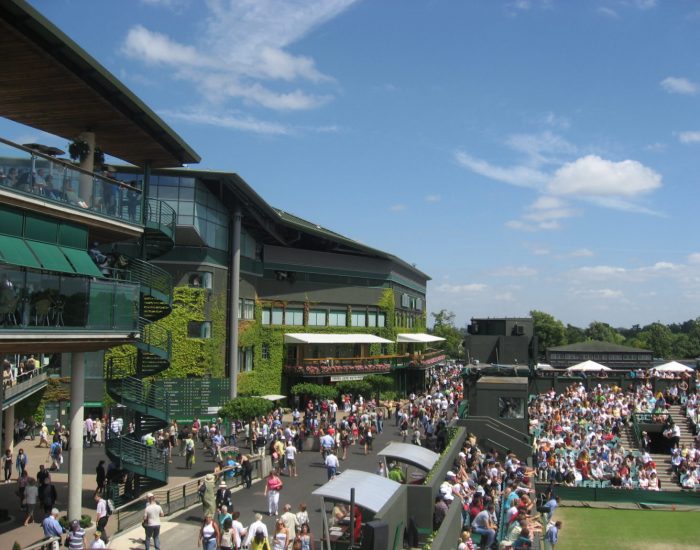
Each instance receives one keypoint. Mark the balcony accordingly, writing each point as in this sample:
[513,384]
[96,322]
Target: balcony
[44,309]
[16,386]
[328,366]
[50,184]
[429,358]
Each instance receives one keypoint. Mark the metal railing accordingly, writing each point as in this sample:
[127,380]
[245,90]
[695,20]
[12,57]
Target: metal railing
[137,454]
[162,214]
[155,338]
[150,276]
[176,498]
[29,172]
[145,395]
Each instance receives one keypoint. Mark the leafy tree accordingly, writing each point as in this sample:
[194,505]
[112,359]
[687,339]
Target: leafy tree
[574,334]
[550,331]
[315,391]
[378,384]
[444,327]
[245,408]
[603,332]
[355,387]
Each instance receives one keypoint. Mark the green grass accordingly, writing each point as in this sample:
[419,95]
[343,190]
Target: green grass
[585,528]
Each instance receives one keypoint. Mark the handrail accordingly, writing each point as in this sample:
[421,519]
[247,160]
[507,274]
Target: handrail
[150,275]
[355,359]
[154,335]
[145,393]
[138,454]
[161,213]
[44,544]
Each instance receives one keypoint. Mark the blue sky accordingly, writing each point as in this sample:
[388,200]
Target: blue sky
[531,154]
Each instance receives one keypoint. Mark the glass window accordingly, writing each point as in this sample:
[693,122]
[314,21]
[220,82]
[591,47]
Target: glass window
[381,319]
[248,309]
[317,317]
[199,329]
[200,279]
[245,359]
[337,318]
[265,352]
[358,319]
[372,319]
[419,304]
[294,317]
[266,316]
[511,407]
[277,316]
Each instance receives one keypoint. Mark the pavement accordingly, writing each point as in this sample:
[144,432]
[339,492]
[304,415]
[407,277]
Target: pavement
[183,527]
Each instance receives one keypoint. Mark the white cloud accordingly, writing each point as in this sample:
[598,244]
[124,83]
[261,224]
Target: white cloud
[645,4]
[656,147]
[608,12]
[461,289]
[399,207]
[662,266]
[689,137]
[241,46]
[679,85]
[521,176]
[433,198]
[556,121]
[694,258]
[506,296]
[541,251]
[604,293]
[605,270]
[515,271]
[581,253]
[541,148]
[592,176]
[234,121]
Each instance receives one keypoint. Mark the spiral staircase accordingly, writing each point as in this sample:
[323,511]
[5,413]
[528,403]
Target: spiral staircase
[129,378]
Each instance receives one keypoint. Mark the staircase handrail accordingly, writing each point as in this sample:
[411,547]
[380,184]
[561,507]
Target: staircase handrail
[161,213]
[133,452]
[144,392]
[151,276]
[154,335]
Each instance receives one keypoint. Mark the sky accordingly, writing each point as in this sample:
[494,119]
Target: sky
[526,154]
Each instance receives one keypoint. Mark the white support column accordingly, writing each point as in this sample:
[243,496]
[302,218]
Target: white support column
[77,407]
[9,428]
[86,181]
[235,295]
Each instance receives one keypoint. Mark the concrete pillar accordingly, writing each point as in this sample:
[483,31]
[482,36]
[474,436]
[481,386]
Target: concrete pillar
[77,408]
[86,181]
[9,429]
[235,275]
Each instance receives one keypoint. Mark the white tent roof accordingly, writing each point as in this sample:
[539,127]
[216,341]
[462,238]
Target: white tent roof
[314,338]
[588,366]
[417,338]
[273,397]
[410,454]
[673,366]
[372,492]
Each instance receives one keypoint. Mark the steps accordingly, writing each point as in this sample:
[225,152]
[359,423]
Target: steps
[663,460]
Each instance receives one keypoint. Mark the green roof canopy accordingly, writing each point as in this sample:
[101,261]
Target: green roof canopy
[51,257]
[15,251]
[82,262]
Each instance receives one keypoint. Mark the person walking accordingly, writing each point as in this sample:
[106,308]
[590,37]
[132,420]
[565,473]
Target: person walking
[273,486]
[100,477]
[21,462]
[230,537]
[101,517]
[332,464]
[257,533]
[281,538]
[551,537]
[47,495]
[209,534]
[7,465]
[52,528]
[97,543]
[76,537]
[151,520]
[247,471]
[31,496]
[189,451]
[291,455]
[305,537]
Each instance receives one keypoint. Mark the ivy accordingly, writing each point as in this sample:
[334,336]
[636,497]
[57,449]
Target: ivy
[315,391]
[245,408]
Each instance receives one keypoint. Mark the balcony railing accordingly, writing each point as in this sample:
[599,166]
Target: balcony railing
[49,301]
[326,366]
[430,358]
[29,172]
[16,383]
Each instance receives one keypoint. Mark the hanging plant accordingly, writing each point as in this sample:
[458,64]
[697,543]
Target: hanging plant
[79,149]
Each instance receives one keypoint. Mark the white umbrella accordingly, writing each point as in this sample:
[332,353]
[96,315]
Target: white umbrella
[673,366]
[588,366]
[273,397]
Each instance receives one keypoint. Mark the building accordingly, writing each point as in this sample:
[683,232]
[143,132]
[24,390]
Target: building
[606,353]
[501,340]
[57,307]
[344,302]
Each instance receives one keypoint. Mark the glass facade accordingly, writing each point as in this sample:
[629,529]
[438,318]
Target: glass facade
[30,299]
[317,317]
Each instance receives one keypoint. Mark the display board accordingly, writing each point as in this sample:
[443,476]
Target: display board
[192,398]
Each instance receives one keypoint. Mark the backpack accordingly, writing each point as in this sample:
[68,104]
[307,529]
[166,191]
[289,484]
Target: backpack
[110,507]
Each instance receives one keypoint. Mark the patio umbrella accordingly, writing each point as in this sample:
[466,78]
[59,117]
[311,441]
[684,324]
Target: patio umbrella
[587,366]
[673,366]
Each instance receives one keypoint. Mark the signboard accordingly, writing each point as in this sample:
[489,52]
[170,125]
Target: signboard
[191,398]
[341,377]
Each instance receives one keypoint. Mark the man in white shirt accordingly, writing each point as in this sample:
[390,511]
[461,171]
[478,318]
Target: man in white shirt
[255,527]
[332,464]
[151,517]
[101,517]
[290,453]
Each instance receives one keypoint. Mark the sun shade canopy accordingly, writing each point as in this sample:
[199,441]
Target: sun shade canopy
[588,366]
[372,492]
[418,338]
[311,338]
[673,366]
[410,454]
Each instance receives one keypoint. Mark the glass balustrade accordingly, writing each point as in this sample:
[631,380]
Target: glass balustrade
[32,173]
[50,301]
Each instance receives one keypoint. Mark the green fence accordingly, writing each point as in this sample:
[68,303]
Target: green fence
[594,494]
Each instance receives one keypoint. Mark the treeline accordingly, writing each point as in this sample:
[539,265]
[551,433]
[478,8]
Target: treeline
[673,341]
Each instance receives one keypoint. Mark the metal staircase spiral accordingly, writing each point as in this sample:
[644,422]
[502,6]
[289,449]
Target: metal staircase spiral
[130,377]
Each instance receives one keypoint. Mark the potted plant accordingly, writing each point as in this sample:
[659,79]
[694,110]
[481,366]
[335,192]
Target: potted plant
[79,149]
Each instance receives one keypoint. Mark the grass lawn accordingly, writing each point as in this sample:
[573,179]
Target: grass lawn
[627,529]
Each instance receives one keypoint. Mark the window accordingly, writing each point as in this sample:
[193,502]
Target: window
[419,304]
[294,317]
[265,352]
[381,319]
[200,279]
[372,319]
[405,300]
[199,329]
[245,359]
[337,318]
[317,317]
[266,316]
[246,308]
[277,315]
[358,319]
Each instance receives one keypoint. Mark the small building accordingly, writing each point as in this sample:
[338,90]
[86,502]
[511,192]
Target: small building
[611,355]
[504,340]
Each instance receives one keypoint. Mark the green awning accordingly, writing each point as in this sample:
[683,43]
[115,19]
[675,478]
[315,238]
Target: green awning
[82,262]
[51,257]
[16,252]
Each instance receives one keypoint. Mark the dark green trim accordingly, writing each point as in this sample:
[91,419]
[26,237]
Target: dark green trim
[82,262]
[15,251]
[51,257]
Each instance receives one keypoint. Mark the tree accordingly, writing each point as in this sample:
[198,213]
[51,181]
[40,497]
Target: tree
[379,383]
[603,332]
[550,332]
[315,391]
[574,334]
[355,387]
[245,408]
[444,327]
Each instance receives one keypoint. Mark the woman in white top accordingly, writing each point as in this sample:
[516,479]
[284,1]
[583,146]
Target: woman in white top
[97,426]
[279,542]
[209,535]
[31,495]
